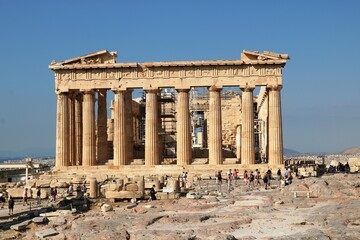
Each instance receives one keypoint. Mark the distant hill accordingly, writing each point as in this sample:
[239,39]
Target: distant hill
[290,152]
[353,150]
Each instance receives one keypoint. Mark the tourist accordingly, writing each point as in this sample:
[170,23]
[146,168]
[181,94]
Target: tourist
[216,177]
[268,177]
[229,178]
[245,177]
[11,205]
[279,177]
[347,168]
[184,178]
[71,190]
[289,178]
[219,178]
[53,193]
[286,173]
[83,190]
[251,179]
[235,176]
[257,176]
[25,197]
[38,196]
[78,191]
[2,200]
[152,193]
[265,179]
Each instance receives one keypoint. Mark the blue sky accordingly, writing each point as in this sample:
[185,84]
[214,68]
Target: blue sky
[321,92]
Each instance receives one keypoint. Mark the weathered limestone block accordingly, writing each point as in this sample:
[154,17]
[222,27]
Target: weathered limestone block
[106,208]
[131,187]
[40,220]
[15,192]
[46,233]
[354,162]
[43,183]
[20,226]
[60,185]
[334,163]
[31,183]
[123,194]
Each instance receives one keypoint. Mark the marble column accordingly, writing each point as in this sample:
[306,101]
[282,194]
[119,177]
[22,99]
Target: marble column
[151,128]
[215,127]
[62,130]
[78,129]
[183,128]
[129,125]
[247,130]
[89,141]
[72,136]
[101,143]
[238,142]
[120,139]
[275,126]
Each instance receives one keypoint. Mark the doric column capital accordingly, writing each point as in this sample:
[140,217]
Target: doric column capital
[152,90]
[61,93]
[274,87]
[214,89]
[116,91]
[182,90]
[87,91]
[247,88]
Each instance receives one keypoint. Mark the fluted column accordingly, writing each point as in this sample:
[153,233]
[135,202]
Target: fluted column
[247,131]
[89,141]
[275,126]
[151,128]
[72,137]
[238,142]
[215,131]
[101,143]
[78,129]
[183,137]
[120,139]
[129,125]
[62,130]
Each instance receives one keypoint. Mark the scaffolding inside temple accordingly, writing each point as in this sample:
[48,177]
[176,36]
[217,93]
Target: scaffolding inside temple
[167,133]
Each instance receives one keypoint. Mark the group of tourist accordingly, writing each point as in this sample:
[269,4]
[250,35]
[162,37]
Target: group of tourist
[11,202]
[253,179]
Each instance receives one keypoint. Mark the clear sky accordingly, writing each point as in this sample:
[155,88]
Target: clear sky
[321,82]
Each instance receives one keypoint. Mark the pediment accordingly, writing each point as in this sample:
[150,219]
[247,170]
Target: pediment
[99,57]
[266,55]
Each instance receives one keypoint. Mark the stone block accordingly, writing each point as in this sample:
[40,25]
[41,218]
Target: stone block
[20,226]
[43,183]
[106,208]
[162,195]
[193,195]
[40,220]
[131,187]
[31,183]
[46,233]
[60,185]
[15,192]
[123,194]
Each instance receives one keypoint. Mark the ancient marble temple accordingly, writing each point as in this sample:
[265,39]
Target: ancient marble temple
[83,83]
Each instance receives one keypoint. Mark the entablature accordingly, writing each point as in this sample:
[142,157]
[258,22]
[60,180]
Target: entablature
[254,70]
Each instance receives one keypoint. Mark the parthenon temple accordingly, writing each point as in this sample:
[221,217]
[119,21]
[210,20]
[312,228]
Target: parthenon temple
[193,114]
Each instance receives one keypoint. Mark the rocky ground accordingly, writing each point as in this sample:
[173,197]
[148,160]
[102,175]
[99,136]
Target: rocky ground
[332,212]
